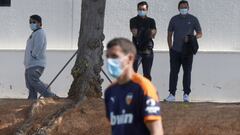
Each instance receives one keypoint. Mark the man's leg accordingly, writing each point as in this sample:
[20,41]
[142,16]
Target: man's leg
[35,82]
[32,93]
[187,69]
[147,61]
[175,64]
[137,62]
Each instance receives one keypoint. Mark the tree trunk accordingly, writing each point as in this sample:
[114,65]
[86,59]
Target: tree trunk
[87,68]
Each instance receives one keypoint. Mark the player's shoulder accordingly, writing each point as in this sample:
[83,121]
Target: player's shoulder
[146,85]
[110,87]
[113,84]
[138,78]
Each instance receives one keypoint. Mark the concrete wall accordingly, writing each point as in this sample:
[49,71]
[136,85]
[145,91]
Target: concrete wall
[216,67]
[220,20]
[61,21]
[215,75]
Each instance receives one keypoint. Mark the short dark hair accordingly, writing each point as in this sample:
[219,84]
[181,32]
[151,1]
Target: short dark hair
[182,2]
[126,45]
[37,18]
[142,3]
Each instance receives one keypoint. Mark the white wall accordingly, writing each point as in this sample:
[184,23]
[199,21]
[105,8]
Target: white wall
[220,20]
[215,77]
[61,21]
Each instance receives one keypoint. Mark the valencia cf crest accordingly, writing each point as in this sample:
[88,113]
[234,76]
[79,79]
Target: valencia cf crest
[129,98]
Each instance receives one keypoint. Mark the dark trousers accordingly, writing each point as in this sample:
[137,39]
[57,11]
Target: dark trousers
[147,61]
[176,61]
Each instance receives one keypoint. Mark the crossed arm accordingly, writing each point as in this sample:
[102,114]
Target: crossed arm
[152,32]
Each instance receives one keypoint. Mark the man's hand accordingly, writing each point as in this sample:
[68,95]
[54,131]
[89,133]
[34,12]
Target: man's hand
[134,32]
[199,35]
[152,33]
[186,39]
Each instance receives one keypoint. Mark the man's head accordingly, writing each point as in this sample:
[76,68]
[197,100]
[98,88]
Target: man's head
[183,7]
[35,22]
[120,56]
[142,8]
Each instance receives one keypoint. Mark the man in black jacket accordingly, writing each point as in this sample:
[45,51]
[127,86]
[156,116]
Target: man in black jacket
[143,30]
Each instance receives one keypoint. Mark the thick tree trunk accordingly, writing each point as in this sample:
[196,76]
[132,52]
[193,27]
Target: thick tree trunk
[87,68]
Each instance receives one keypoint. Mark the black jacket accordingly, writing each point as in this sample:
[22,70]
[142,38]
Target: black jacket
[190,47]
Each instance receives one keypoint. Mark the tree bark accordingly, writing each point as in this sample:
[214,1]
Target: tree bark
[86,71]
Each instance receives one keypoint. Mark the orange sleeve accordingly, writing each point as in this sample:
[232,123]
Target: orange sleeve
[152,118]
[147,86]
[151,106]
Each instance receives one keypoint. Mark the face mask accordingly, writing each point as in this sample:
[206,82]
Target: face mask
[33,26]
[114,67]
[142,13]
[183,11]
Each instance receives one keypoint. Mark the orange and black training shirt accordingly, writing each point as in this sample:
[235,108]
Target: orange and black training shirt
[129,106]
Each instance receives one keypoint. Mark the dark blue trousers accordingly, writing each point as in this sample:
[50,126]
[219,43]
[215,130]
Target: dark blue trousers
[147,61]
[176,61]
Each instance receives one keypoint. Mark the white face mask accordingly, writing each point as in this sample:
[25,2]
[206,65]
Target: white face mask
[183,11]
[114,67]
[142,13]
[33,26]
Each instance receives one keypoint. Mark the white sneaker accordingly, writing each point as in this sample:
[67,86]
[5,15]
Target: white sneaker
[186,98]
[170,98]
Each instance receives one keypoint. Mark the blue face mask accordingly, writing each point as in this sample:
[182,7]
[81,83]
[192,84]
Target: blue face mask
[142,13]
[33,26]
[114,67]
[183,11]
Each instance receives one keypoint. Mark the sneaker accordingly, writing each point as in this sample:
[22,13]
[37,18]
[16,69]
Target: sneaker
[186,98]
[170,98]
